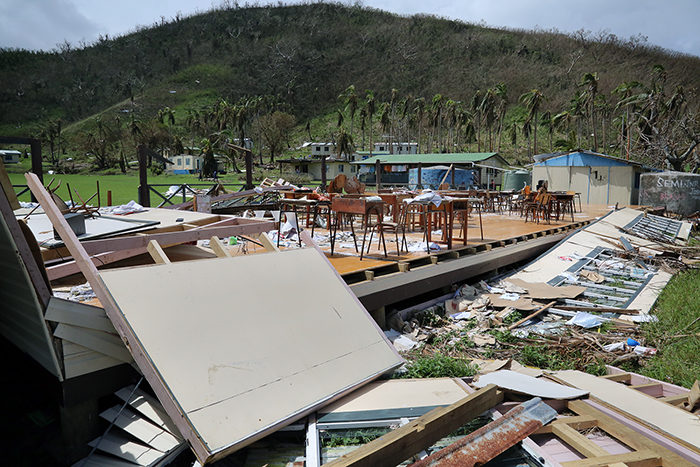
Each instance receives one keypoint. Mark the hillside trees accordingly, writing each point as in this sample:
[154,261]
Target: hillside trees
[275,129]
[299,59]
[350,99]
[533,101]
[590,83]
[51,134]
[370,109]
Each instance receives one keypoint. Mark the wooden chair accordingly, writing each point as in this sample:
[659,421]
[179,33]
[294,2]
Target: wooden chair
[573,204]
[540,208]
[520,200]
[382,227]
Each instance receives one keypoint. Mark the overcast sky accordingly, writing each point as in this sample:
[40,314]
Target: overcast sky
[672,24]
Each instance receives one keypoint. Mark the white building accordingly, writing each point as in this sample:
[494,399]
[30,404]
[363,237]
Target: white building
[10,156]
[398,148]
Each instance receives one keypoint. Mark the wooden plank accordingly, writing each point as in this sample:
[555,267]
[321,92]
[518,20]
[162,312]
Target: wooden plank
[6,186]
[141,429]
[267,242]
[399,394]
[78,314]
[231,227]
[66,269]
[99,341]
[577,441]
[218,247]
[402,443]
[678,399]
[628,436]
[618,377]
[576,422]
[533,315]
[90,272]
[670,421]
[643,458]
[650,389]
[157,253]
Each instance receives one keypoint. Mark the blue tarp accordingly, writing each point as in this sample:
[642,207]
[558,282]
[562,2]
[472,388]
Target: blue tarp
[432,176]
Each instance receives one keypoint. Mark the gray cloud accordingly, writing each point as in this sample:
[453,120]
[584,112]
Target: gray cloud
[41,24]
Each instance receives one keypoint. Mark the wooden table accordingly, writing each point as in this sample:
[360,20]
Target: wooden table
[465,205]
[309,206]
[394,200]
[354,206]
[560,201]
[428,211]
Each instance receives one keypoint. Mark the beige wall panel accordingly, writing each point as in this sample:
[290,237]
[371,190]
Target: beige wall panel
[245,344]
[621,183]
[400,393]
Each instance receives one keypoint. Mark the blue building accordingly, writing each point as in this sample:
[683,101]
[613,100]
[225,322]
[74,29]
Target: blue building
[599,178]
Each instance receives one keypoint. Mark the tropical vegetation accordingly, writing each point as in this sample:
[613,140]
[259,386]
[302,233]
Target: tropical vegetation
[282,75]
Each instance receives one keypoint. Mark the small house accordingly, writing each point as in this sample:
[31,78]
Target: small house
[486,167]
[396,148]
[192,164]
[599,178]
[10,156]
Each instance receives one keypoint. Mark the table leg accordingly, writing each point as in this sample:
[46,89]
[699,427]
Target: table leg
[333,231]
[481,224]
[352,229]
[426,229]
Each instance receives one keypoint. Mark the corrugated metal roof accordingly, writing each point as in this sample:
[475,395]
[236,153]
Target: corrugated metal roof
[454,158]
[585,159]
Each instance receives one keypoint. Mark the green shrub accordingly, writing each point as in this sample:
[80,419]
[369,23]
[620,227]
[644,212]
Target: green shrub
[439,366]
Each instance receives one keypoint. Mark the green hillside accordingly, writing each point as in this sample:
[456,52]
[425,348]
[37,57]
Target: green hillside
[450,85]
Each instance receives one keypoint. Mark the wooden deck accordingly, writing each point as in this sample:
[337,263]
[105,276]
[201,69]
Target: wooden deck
[499,229]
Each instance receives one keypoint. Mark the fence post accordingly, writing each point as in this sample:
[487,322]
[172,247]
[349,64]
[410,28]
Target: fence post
[248,170]
[144,195]
[378,173]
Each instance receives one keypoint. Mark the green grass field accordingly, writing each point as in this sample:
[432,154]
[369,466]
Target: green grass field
[677,333]
[123,188]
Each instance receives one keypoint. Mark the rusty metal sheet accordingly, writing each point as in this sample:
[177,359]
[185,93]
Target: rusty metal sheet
[491,440]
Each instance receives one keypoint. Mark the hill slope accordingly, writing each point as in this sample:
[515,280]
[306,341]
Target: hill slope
[305,55]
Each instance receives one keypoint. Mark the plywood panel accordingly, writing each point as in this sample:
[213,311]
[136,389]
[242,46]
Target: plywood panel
[247,343]
[400,393]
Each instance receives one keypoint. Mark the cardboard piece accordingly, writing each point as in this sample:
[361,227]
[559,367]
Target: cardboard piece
[547,292]
[523,304]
